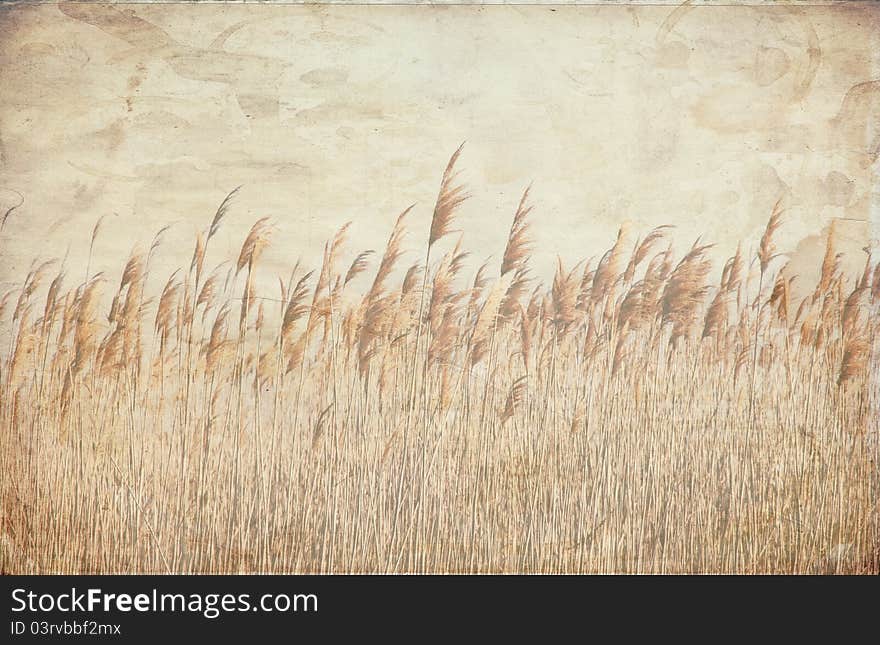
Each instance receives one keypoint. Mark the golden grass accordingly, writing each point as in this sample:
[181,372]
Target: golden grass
[632,417]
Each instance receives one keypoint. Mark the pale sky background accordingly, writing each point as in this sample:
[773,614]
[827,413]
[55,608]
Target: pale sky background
[700,117]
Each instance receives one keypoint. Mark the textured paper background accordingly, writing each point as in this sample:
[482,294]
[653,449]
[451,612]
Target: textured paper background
[623,421]
[698,115]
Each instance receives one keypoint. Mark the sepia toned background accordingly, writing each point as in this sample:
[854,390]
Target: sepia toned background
[643,413]
[701,115]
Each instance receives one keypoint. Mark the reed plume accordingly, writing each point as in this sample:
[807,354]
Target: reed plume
[451,196]
[519,244]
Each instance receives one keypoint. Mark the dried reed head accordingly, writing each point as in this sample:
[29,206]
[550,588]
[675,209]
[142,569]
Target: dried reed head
[358,266]
[217,342]
[515,398]
[629,310]
[641,250]
[564,296]
[296,307]
[829,266]
[518,288]
[585,292]
[376,327]
[134,270]
[481,279]
[51,296]
[485,324]
[855,358]
[608,270]
[685,291]
[852,308]
[296,352]
[442,291]
[86,327]
[779,297]
[31,283]
[221,213]
[95,230]
[716,316]
[450,197]
[318,432]
[516,252]
[320,311]
[198,258]
[5,299]
[731,275]
[411,279]
[622,352]
[253,244]
[446,333]
[25,343]
[167,310]
[767,247]
[392,253]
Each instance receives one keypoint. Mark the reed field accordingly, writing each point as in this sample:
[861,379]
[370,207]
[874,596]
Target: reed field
[633,415]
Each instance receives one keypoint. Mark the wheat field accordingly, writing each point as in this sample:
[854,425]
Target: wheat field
[632,416]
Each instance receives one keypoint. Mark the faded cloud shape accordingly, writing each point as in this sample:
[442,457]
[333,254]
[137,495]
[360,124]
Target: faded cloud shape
[698,116]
